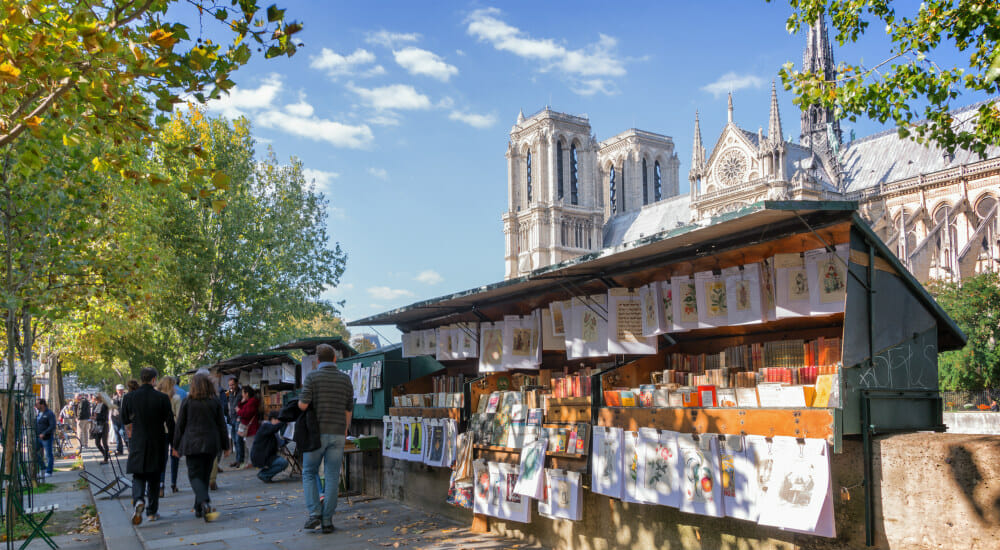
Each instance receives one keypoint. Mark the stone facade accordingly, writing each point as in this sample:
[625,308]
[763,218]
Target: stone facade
[937,211]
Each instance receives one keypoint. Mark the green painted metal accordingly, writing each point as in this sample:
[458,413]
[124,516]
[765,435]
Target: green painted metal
[395,370]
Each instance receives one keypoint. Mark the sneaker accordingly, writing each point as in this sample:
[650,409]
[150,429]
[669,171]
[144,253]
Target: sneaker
[327,529]
[137,512]
[153,517]
[211,514]
[312,523]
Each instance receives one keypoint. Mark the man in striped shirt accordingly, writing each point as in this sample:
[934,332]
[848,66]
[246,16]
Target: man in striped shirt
[331,395]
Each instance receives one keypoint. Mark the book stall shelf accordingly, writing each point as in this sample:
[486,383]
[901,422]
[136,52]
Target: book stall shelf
[785,325]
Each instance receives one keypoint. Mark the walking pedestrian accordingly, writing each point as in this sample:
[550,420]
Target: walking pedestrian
[118,430]
[148,419]
[248,414]
[167,386]
[330,393]
[233,397]
[100,414]
[200,435]
[82,420]
[45,427]
[264,453]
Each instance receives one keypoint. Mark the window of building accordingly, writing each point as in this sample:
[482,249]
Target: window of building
[611,188]
[621,188]
[559,170]
[984,207]
[645,184]
[573,176]
[657,182]
[528,177]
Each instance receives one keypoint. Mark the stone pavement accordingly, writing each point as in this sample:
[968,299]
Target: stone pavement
[255,516]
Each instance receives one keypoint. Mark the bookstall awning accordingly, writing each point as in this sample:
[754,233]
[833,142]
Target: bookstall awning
[253,360]
[757,223]
[308,345]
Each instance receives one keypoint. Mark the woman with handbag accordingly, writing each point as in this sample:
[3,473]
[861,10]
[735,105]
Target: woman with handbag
[249,415]
[99,414]
[201,434]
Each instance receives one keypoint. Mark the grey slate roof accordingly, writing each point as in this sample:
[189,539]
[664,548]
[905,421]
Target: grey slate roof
[885,157]
[651,219]
[751,136]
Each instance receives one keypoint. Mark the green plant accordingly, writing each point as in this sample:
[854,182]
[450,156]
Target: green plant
[43,488]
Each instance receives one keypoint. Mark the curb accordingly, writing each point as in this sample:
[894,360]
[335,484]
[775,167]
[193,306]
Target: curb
[116,526]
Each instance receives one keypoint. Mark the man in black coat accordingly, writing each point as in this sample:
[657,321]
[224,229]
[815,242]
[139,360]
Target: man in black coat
[147,415]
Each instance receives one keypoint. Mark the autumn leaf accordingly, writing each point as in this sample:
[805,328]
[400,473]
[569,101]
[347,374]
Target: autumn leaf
[8,72]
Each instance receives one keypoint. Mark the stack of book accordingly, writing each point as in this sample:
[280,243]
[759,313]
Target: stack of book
[448,384]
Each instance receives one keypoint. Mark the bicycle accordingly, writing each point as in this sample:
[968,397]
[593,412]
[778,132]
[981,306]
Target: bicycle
[64,440]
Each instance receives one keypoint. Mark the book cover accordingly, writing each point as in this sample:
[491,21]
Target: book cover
[628,398]
[726,397]
[646,395]
[661,397]
[535,417]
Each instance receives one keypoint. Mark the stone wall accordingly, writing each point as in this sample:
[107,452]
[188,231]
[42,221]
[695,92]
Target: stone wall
[973,422]
[932,491]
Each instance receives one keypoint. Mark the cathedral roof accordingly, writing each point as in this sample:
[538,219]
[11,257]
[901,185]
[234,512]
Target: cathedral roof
[651,219]
[885,157]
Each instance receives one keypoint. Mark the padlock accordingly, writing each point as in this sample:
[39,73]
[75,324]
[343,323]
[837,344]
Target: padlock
[845,495]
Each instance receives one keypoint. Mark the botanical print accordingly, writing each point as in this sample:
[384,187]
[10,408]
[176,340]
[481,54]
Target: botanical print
[742,295]
[522,342]
[659,474]
[767,282]
[558,328]
[697,476]
[832,284]
[798,285]
[728,466]
[649,310]
[492,347]
[589,326]
[715,299]
[609,452]
[668,306]
[689,303]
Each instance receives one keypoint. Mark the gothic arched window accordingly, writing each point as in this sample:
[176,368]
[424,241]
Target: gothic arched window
[657,182]
[611,188]
[984,207]
[573,176]
[645,184]
[621,188]
[528,178]
[559,170]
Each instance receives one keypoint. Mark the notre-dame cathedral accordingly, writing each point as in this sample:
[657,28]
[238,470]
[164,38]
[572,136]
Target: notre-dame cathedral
[569,194]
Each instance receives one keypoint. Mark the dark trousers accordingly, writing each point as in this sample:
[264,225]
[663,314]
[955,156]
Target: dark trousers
[147,485]
[199,470]
[175,465]
[101,441]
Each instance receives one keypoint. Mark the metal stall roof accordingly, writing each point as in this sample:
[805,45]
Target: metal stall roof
[595,272]
[308,345]
[249,360]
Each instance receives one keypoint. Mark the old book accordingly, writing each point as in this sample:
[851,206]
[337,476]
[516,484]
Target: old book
[726,397]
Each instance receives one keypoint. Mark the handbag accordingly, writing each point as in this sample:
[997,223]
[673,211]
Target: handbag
[241,431]
[97,430]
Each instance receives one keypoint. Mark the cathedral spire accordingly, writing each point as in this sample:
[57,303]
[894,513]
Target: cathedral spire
[774,122]
[730,107]
[820,127]
[520,116]
[698,149]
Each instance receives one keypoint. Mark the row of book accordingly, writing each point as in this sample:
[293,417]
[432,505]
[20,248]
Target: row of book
[819,352]
[822,392]
[571,385]
[448,384]
[726,378]
[430,400]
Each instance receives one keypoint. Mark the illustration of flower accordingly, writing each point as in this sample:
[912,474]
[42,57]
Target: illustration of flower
[689,301]
[717,298]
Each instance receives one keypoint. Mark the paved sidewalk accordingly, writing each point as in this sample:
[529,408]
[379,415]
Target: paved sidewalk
[258,516]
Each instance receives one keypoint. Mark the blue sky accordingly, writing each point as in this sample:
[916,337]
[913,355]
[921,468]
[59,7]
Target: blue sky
[401,112]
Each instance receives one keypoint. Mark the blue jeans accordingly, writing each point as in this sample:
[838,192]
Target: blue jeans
[239,443]
[49,459]
[277,466]
[331,453]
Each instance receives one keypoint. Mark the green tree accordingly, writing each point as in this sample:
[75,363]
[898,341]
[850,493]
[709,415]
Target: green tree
[975,306]
[908,87]
[361,345]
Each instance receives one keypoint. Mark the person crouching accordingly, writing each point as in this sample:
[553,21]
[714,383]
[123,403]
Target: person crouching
[264,453]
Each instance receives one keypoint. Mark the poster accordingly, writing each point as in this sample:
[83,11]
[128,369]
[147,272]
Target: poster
[491,347]
[550,340]
[468,340]
[557,312]
[589,326]
[481,487]
[743,294]
[520,342]
[436,443]
[739,488]
[659,468]
[532,469]
[397,437]
[513,506]
[685,303]
[700,477]
[827,272]
[791,286]
[710,293]
[387,436]
[798,488]
[446,349]
[606,466]
[625,324]
[564,496]
[654,320]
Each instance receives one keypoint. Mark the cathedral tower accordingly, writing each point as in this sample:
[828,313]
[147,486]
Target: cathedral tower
[820,128]
[554,206]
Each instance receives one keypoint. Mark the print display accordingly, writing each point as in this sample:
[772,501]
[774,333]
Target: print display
[659,475]
[606,466]
[798,488]
[564,496]
[827,279]
[532,478]
[792,286]
[700,479]
[491,347]
[625,324]
[685,302]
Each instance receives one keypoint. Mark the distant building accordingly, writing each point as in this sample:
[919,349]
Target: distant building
[369,337]
[569,194]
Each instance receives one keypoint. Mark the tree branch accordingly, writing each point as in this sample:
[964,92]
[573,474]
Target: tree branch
[18,129]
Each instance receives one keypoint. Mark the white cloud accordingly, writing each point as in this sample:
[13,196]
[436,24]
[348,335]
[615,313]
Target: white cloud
[395,96]
[379,173]
[302,108]
[391,39]
[599,59]
[241,100]
[384,118]
[473,119]
[387,293]
[318,129]
[423,62]
[321,178]
[336,64]
[731,82]
[429,277]
[339,290]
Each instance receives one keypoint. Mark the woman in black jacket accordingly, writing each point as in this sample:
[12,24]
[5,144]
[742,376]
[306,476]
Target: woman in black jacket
[99,415]
[200,435]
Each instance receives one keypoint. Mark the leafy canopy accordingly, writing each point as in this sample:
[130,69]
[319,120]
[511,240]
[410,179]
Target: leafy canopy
[975,306]
[908,87]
